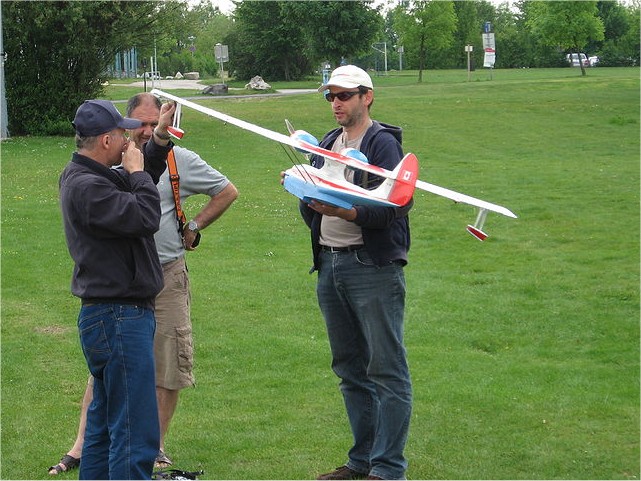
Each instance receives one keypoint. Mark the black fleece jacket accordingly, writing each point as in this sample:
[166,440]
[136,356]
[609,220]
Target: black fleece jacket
[110,218]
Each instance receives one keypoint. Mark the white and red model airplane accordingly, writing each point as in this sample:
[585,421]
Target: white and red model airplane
[329,185]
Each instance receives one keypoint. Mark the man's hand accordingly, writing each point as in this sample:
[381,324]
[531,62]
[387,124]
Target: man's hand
[132,159]
[347,214]
[166,117]
[188,239]
[161,134]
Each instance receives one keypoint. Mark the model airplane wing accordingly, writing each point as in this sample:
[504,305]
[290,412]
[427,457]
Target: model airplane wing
[328,184]
[293,140]
[465,199]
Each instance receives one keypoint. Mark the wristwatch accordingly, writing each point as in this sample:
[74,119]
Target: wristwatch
[161,136]
[193,226]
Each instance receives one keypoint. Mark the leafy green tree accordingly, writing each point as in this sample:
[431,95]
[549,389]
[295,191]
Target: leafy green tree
[337,30]
[468,32]
[266,42]
[534,52]
[629,42]
[426,26]
[515,45]
[391,37]
[186,43]
[286,40]
[381,50]
[57,53]
[621,31]
[213,30]
[568,25]
[471,16]
[507,38]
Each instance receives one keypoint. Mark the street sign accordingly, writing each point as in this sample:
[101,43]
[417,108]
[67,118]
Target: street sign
[469,49]
[488,41]
[489,46]
[489,59]
[221,52]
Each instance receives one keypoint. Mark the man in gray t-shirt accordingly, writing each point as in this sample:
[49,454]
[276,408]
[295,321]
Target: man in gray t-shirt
[173,346]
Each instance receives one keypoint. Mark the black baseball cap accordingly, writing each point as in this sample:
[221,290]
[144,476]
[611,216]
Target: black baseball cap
[95,117]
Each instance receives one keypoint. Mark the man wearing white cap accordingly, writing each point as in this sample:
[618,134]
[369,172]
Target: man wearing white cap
[360,254]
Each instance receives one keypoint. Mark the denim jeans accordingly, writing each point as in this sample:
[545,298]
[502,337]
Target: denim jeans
[122,436]
[363,306]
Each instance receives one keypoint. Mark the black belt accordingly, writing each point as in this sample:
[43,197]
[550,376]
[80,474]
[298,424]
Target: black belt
[342,249]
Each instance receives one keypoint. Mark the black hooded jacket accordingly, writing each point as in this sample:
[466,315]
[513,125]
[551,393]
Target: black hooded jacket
[386,230]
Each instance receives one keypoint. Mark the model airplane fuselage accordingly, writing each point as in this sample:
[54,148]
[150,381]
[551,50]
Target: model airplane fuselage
[329,184]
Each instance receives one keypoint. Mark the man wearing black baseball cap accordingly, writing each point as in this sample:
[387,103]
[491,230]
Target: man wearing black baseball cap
[95,117]
[110,217]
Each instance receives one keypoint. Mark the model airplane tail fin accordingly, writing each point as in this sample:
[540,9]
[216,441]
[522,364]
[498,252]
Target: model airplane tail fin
[174,129]
[176,132]
[405,176]
[477,229]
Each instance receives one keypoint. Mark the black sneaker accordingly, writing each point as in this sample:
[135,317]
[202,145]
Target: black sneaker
[343,472]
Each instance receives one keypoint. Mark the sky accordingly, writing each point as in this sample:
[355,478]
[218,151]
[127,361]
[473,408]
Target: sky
[225,6]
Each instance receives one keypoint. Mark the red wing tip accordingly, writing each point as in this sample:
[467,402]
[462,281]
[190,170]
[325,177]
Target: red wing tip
[478,233]
[176,132]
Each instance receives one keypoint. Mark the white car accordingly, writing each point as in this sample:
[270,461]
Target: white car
[574,59]
[593,61]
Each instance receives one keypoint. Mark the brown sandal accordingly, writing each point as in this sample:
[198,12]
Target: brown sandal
[67,463]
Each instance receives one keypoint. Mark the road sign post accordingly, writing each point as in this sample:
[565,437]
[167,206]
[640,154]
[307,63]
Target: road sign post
[489,45]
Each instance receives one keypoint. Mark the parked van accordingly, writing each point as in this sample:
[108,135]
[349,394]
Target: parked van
[574,59]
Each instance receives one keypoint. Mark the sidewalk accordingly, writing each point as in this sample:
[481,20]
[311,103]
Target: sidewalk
[168,84]
[196,85]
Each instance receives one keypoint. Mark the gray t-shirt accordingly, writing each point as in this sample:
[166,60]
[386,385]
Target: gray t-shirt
[337,232]
[196,177]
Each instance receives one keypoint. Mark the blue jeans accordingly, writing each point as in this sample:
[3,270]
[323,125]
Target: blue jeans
[122,436]
[363,306]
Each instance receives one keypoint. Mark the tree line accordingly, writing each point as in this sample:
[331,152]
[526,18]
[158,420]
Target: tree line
[59,53]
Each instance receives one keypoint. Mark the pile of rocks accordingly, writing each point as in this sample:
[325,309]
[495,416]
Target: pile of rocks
[257,83]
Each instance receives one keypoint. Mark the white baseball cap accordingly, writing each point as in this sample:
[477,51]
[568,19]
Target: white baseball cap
[348,77]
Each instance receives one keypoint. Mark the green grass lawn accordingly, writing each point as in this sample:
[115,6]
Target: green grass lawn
[524,349]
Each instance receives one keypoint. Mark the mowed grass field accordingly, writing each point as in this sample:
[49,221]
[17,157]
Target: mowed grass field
[524,349]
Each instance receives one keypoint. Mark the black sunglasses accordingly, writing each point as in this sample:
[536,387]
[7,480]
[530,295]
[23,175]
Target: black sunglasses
[342,96]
